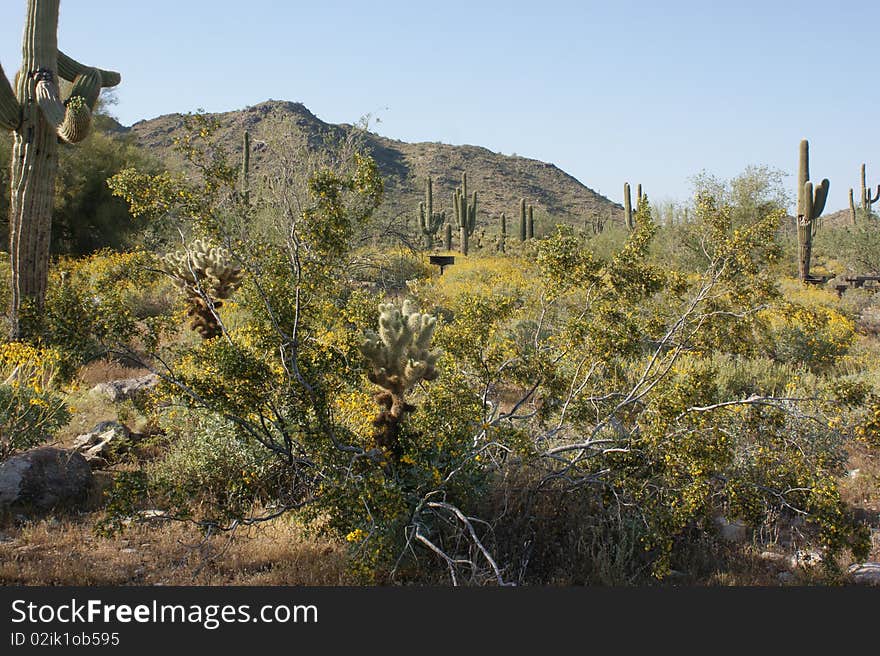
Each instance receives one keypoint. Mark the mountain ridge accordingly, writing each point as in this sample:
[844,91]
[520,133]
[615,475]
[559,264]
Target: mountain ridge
[500,180]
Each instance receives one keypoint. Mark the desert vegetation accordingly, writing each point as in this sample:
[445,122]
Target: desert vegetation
[271,380]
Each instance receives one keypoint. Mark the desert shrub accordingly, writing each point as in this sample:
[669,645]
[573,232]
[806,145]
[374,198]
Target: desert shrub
[212,465]
[856,247]
[749,460]
[608,242]
[103,302]
[815,337]
[390,271]
[30,411]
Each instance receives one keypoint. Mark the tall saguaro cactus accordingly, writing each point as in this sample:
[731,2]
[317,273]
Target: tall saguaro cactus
[852,207]
[38,118]
[867,198]
[810,205]
[429,220]
[245,176]
[502,238]
[526,220]
[628,206]
[465,213]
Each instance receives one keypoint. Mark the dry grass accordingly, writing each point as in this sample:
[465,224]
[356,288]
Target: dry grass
[67,552]
[102,371]
[861,490]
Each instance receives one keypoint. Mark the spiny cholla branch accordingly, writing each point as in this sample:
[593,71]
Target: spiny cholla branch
[205,274]
[400,356]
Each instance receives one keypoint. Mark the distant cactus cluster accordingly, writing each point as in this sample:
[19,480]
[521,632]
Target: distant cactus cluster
[204,273]
[399,357]
[526,220]
[868,198]
[628,206]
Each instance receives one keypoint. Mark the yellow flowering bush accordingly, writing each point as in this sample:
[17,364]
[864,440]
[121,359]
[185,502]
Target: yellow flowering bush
[813,336]
[30,410]
[103,302]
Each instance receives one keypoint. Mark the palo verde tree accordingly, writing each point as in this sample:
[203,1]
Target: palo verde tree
[38,118]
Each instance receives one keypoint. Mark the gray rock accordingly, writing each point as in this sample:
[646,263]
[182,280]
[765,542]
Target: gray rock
[865,573]
[803,558]
[44,478]
[128,388]
[98,445]
[774,557]
[785,577]
[732,530]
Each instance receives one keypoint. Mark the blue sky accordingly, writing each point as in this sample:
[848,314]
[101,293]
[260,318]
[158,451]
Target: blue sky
[649,92]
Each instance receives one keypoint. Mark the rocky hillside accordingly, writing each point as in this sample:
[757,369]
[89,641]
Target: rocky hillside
[500,180]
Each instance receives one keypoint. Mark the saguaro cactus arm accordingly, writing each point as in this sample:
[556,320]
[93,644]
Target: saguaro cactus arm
[10,109]
[71,118]
[69,69]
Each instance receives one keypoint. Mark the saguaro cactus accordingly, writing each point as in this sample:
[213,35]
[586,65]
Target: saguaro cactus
[526,220]
[399,356]
[38,118]
[867,198]
[628,206]
[465,213]
[810,205]
[429,220]
[245,181]
[207,277]
[852,207]
[447,237]
[502,238]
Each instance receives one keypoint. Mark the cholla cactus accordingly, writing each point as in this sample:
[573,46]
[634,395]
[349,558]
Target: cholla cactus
[400,356]
[207,278]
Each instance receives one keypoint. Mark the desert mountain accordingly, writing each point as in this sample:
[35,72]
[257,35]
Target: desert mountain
[500,180]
